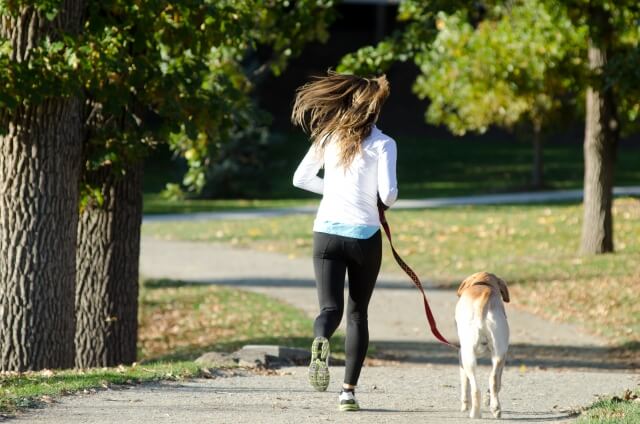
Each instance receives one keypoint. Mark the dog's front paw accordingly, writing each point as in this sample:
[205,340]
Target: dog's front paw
[464,406]
[475,413]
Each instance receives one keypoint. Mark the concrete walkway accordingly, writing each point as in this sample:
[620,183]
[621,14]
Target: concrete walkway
[489,199]
[552,369]
[399,394]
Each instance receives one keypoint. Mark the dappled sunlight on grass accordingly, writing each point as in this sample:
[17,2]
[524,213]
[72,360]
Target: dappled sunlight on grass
[610,304]
[180,321]
[518,242]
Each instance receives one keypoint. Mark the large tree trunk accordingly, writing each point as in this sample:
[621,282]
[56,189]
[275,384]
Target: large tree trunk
[600,142]
[107,271]
[39,170]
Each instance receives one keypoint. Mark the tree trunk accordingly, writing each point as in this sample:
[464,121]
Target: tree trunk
[39,170]
[107,271]
[537,170]
[600,142]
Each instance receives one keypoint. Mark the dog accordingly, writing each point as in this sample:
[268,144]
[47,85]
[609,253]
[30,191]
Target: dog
[482,326]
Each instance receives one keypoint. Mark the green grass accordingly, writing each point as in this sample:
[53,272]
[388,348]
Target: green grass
[619,410]
[455,166]
[177,322]
[426,169]
[32,389]
[534,247]
[180,321]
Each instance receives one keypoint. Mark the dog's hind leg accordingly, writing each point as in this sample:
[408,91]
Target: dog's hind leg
[464,390]
[468,360]
[495,381]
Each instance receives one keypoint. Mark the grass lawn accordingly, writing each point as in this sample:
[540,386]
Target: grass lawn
[33,389]
[177,323]
[534,247]
[623,409]
[426,168]
[180,321]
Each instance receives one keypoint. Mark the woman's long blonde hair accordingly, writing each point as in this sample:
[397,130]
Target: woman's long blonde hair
[344,107]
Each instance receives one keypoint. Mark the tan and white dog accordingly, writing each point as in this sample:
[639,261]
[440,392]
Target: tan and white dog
[482,327]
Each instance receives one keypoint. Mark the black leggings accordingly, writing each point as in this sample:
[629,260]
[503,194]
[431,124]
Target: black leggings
[333,256]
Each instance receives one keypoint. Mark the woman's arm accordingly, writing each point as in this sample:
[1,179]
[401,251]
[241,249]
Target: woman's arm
[306,176]
[387,181]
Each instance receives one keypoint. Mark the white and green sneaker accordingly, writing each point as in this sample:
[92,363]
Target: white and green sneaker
[348,401]
[319,366]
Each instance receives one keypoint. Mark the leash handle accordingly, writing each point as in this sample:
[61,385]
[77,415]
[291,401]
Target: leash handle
[416,281]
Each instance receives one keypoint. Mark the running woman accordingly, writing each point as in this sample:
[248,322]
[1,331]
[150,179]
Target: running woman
[340,112]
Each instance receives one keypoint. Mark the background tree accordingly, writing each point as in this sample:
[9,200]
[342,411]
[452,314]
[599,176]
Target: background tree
[172,72]
[512,70]
[40,144]
[610,108]
[611,40]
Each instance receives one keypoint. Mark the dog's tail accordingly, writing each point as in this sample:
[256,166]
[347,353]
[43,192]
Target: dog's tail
[480,307]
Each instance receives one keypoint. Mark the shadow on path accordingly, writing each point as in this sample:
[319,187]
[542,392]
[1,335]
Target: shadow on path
[539,356]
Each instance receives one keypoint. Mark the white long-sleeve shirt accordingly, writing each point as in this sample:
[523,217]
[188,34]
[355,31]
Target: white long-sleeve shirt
[350,195]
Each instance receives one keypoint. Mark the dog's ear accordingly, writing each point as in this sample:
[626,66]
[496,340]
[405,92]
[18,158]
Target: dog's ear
[504,291]
[468,282]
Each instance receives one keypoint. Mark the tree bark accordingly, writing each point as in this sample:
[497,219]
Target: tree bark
[600,142]
[537,170]
[39,170]
[107,271]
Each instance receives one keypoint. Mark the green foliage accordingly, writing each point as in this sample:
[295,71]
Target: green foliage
[518,64]
[615,24]
[625,77]
[155,70]
[419,29]
[497,62]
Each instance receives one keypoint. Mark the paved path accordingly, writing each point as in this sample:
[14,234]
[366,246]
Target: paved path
[425,395]
[552,370]
[489,199]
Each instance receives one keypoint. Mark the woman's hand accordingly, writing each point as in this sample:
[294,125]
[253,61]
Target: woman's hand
[381,204]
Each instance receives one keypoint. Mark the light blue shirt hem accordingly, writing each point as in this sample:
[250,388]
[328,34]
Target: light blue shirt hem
[346,230]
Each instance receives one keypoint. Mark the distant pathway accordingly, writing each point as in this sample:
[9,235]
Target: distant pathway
[489,199]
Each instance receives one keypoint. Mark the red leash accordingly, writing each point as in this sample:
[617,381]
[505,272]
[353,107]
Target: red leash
[416,281]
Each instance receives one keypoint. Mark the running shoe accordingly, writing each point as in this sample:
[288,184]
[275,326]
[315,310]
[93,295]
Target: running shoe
[319,366]
[348,401]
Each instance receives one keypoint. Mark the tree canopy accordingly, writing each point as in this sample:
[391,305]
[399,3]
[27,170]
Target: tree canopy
[518,64]
[155,70]
[496,62]
[488,63]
